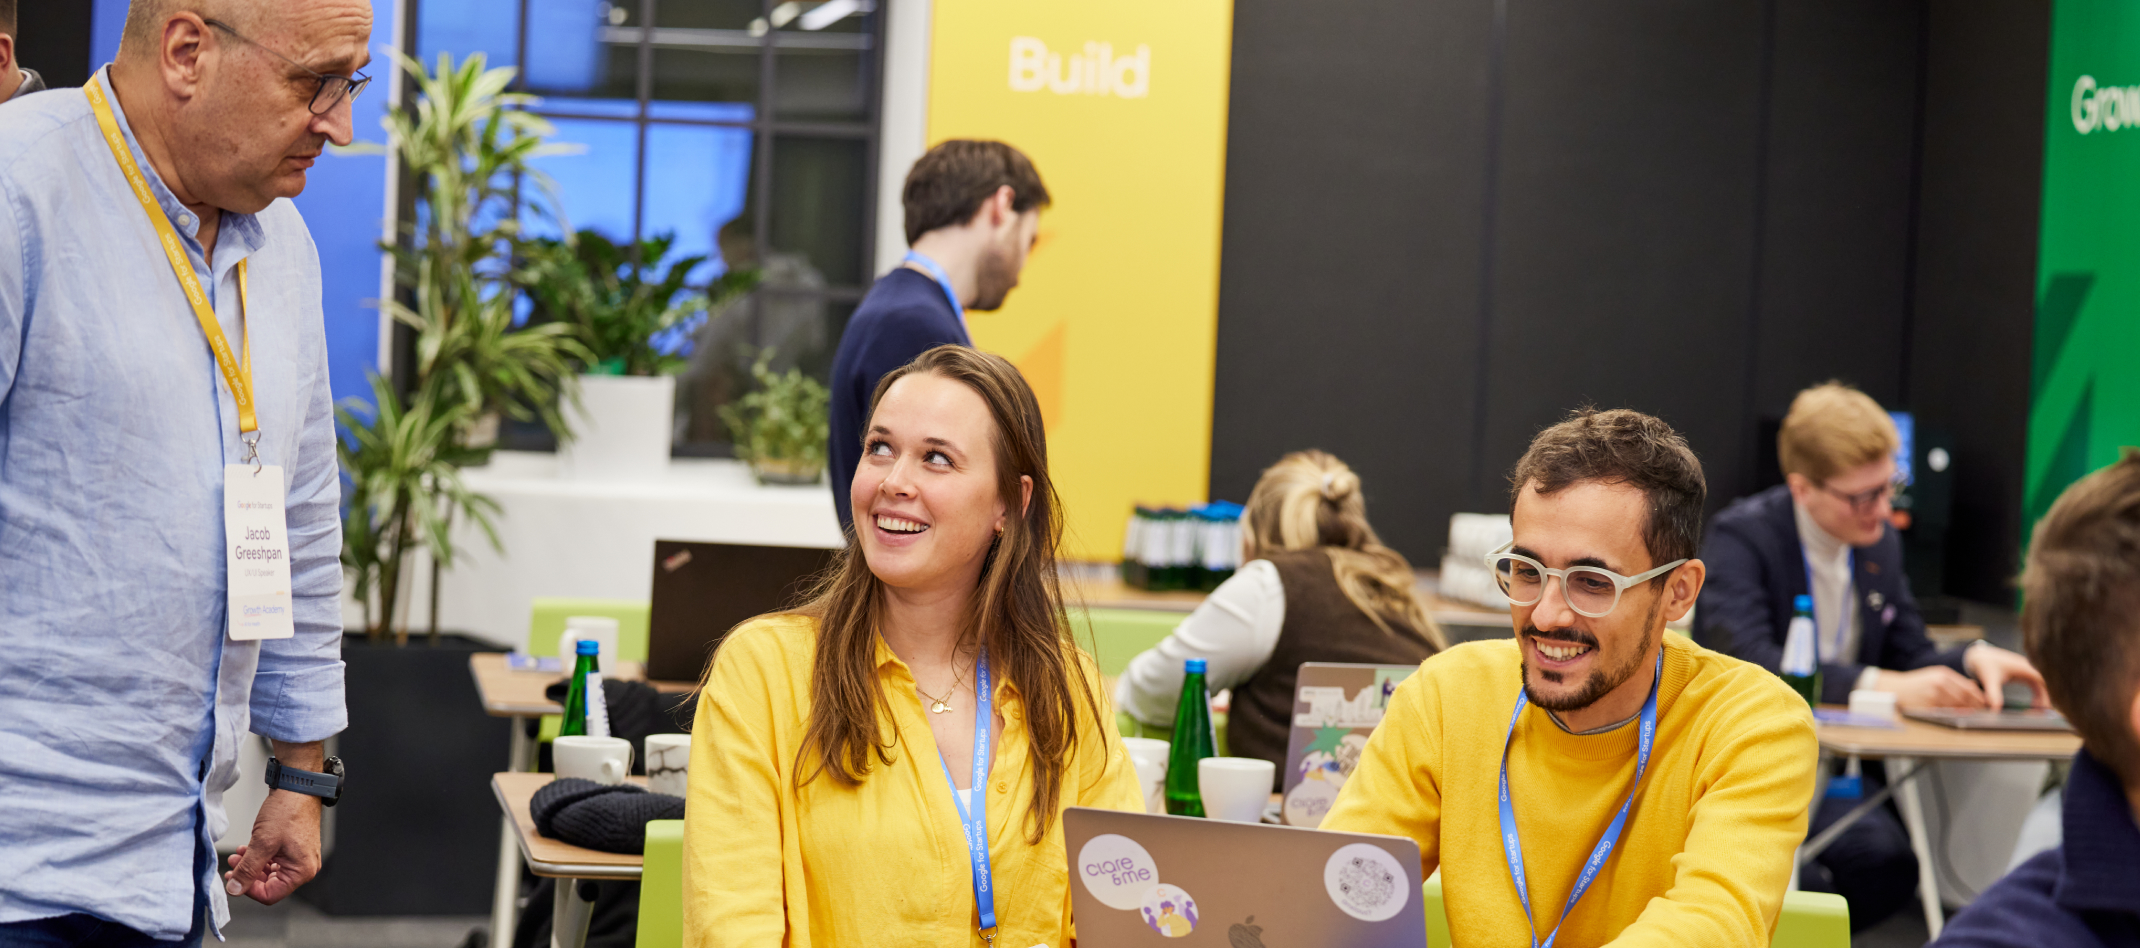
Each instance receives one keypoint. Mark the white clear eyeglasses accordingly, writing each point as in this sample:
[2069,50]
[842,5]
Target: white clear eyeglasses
[1590,590]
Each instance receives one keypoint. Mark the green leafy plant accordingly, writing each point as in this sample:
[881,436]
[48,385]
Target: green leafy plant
[781,428]
[624,301]
[467,142]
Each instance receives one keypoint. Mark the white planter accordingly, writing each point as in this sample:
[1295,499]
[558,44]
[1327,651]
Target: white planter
[620,429]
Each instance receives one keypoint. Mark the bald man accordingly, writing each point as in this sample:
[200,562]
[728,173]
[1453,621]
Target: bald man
[15,81]
[169,500]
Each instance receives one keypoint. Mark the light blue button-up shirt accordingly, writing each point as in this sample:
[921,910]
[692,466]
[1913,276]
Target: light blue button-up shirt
[122,701]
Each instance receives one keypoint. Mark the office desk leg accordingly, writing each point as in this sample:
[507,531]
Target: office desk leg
[1820,792]
[1913,819]
[505,896]
[569,914]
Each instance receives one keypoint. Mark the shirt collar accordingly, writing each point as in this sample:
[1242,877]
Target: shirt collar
[2102,844]
[31,82]
[242,230]
[889,663]
[1819,544]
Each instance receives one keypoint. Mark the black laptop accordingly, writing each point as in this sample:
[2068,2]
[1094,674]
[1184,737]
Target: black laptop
[702,590]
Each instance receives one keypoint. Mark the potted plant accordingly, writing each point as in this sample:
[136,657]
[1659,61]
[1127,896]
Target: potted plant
[468,142]
[781,428]
[633,309]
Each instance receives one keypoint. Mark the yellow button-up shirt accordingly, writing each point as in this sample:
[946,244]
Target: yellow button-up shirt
[882,863]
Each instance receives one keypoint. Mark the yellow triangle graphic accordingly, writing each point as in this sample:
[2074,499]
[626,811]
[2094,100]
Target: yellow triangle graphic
[1042,366]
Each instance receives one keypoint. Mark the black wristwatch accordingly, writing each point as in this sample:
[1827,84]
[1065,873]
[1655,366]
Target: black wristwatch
[327,786]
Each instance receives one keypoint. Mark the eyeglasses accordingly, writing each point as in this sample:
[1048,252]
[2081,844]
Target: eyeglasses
[331,89]
[1866,500]
[1590,590]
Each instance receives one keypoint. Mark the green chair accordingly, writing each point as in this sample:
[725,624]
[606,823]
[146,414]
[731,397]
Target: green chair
[547,622]
[1118,635]
[1809,919]
[661,885]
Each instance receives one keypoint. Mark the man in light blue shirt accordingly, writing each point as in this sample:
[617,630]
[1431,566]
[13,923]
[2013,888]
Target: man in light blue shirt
[123,698]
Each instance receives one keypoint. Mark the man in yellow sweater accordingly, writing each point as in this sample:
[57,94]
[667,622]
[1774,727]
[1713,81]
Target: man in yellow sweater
[1597,779]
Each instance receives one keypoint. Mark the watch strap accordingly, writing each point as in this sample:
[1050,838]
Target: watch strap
[328,786]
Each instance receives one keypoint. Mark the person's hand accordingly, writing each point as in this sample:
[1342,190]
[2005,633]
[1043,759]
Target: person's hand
[284,852]
[1995,666]
[1933,686]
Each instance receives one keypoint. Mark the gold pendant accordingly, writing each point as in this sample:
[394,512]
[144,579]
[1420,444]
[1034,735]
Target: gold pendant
[939,708]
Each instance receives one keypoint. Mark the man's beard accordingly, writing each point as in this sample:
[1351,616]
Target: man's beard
[993,281]
[1599,684]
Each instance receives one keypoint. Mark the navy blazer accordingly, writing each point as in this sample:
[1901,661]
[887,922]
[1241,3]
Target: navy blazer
[2083,894]
[1757,568]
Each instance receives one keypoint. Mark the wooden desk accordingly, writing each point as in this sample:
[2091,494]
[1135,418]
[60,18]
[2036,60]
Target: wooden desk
[556,859]
[1908,750]
[506,693]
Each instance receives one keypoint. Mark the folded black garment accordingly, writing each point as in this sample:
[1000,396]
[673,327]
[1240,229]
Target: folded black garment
[556,795]
[615,822]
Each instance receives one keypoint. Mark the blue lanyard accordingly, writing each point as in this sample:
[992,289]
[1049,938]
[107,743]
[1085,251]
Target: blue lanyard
[943,280]
[1512,843]
[1846,603]
[975,819]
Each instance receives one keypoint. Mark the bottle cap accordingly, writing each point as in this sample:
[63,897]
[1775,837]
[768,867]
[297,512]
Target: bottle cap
[1194,666]
[587,647]
[1803,603]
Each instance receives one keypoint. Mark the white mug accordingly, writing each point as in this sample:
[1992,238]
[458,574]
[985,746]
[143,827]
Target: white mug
[600,759]
[668,763]
[1150,757]
[1235,788]
[602,629]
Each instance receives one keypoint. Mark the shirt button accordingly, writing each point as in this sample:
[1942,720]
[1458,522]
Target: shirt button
[185,220]
[1003,786]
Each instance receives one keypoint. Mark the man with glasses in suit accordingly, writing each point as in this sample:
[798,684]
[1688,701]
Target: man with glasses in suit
[169,494]
[1824,533]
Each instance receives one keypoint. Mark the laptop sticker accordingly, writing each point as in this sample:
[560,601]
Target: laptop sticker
[1170,911]
[1117,871]
[1366,882]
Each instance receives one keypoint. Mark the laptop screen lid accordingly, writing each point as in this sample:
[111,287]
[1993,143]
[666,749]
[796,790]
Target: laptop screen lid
[1144,879]
[1335,707]
[702,590]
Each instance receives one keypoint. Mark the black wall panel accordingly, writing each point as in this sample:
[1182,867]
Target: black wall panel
[1450,221]
[52,37]
[1625,229]
[1348,297]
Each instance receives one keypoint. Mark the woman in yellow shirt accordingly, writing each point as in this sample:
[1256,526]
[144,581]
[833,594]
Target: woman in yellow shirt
[834,744]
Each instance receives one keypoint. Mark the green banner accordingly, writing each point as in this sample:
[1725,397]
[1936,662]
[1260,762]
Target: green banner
[2085,392]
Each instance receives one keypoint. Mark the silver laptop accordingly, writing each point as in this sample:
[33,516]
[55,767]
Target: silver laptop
[1143,879]
[1335,707]
[2024,720]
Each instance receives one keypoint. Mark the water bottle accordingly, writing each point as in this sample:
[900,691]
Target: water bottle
[1799,668]
[585,711]
[1194,740]
[1133,567]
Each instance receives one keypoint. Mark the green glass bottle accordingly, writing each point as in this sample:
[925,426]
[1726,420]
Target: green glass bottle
[586,679]
[1800,667]
[1194,740]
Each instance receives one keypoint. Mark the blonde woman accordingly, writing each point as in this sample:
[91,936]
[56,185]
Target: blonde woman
[1318,586]
[842,750]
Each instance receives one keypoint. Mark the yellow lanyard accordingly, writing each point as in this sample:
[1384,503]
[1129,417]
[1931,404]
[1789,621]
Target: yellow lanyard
[238,375]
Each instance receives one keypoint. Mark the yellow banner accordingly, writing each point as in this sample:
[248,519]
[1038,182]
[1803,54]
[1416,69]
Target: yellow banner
[1122,106]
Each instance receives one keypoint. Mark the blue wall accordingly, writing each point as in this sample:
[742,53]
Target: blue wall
[344,203]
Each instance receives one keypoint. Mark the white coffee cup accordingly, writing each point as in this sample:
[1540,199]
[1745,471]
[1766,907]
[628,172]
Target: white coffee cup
[1235,788]
[602,629]
[600,759]
[668,763]
[1150,757]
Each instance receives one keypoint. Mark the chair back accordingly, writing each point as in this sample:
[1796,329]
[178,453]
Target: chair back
[661,885]
[547,621]
[1808,920]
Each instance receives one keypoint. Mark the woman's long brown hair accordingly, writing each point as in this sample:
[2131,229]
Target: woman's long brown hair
[1017,612]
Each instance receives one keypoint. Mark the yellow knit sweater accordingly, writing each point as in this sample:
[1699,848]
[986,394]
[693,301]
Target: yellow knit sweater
[1706,854]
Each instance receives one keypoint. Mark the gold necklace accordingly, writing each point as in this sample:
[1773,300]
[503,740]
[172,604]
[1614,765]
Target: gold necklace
[937,705]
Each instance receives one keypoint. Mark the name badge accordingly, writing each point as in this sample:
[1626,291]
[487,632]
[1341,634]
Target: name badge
[257,545]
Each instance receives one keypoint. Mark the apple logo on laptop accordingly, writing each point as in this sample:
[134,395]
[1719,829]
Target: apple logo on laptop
[1246,934]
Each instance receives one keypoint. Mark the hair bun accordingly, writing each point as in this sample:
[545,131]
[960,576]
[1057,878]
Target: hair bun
[1340,484]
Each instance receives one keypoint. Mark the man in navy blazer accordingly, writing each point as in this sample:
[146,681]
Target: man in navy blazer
[1824,533]
[2081,623]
